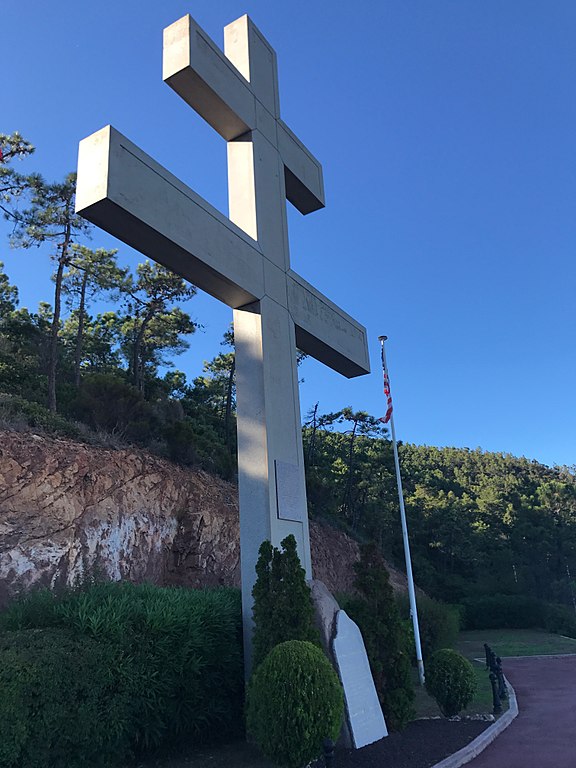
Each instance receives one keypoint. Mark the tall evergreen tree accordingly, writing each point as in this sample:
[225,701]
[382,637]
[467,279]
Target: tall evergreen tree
[8,294]
[283,608]
[385,636]
[152,323]
[51,219]
[12,184]
[89,273]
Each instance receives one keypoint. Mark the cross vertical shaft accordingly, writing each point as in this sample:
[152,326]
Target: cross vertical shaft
[268,404]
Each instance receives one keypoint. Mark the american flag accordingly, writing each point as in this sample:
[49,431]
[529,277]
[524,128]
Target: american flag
[386,418]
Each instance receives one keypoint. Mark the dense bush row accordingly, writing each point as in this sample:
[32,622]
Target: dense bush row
[135,668]
[518,612]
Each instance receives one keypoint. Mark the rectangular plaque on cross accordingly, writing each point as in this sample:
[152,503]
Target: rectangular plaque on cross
[242,260]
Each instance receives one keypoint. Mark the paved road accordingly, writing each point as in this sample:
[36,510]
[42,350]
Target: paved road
[544,733]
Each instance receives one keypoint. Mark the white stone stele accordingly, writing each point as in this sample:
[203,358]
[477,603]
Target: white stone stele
[364,713]
[242,260]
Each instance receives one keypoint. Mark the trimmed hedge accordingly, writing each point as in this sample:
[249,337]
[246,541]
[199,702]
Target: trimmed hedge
[450,679]
[61,704]
[177,654]
[295,701]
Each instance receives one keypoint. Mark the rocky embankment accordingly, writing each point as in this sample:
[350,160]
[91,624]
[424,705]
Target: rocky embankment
[70,510]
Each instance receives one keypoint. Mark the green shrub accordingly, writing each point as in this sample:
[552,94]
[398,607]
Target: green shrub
[295,701]
[450,679]
[439,623]
[560,620]
[180,651]
[17,410]
[385,637]
[106,401]
[61,705]
[503,611]
[283,608]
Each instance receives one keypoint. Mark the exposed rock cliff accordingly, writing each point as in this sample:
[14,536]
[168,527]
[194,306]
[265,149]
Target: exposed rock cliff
[68,510]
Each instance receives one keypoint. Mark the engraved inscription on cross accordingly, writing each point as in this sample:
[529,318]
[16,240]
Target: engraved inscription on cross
[242,260]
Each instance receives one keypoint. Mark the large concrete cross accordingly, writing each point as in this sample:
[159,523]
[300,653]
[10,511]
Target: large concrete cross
[243,261]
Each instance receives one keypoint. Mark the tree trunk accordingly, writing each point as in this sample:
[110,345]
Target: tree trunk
[80,333]
[138,370]
[53,351]
[312,443]
[228,414]
[348,488]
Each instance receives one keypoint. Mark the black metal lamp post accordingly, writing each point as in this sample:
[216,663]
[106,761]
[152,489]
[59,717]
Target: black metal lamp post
[328,747]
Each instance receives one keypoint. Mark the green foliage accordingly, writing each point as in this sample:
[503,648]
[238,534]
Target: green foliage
[385,636]
[108,402]
[152,325]
[499,611]
[439,623]
[8,294]
[560,620]
[61,705]
[283,608]
[180,654]
[518,612]
[15,411]
[450,679]
[295,701]
[480,523]
[12,184]
[349,472]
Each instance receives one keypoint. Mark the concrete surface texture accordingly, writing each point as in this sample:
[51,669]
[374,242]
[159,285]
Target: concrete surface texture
[542,736]
[244,260]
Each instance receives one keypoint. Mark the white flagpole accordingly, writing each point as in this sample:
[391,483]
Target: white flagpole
[408,559]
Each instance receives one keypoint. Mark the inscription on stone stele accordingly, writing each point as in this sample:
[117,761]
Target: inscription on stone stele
[363,709]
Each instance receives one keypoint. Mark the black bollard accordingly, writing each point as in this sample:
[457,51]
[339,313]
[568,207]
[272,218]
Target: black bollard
[492,663]
[328,747]
[487,651]
[495,697]
[502,690]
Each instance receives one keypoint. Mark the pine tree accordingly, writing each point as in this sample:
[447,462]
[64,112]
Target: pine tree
[12,184]
[152,324]
[385,636]
[51,218]
[89,273]
[283,608]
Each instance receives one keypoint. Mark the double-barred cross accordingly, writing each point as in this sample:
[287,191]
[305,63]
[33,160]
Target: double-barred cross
[242,260]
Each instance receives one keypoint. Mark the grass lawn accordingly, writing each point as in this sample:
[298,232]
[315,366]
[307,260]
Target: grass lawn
[513,642]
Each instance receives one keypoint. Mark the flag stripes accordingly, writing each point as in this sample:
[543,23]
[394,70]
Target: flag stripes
[386,418]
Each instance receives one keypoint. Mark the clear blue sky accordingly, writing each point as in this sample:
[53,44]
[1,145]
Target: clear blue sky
[446,130]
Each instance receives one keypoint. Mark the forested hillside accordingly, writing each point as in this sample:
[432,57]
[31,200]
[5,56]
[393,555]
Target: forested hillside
[95,361]
[480,523]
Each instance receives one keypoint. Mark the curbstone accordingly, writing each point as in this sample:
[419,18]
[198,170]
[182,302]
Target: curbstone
[479,744]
